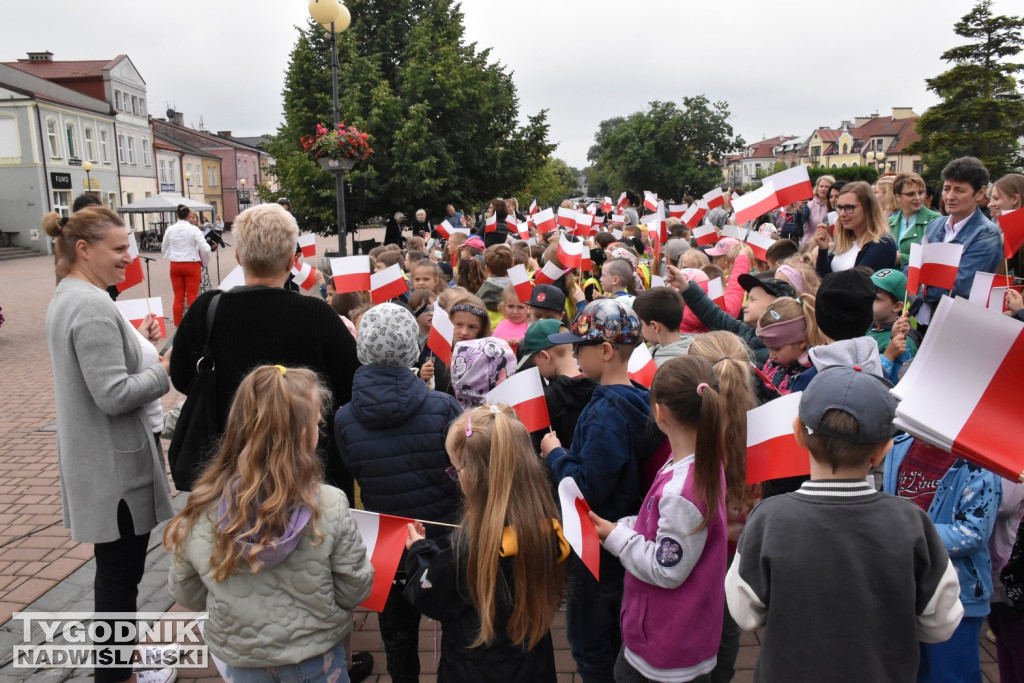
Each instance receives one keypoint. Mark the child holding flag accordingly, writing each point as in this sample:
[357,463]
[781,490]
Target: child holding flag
[674,550]
[262,539]
[497,587]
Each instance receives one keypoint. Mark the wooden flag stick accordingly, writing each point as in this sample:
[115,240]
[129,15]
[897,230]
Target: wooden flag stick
[426,521]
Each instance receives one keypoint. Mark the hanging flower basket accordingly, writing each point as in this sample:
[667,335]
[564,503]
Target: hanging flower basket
[337,148]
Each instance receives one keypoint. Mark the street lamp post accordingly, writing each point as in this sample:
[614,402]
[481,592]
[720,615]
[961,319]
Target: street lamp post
[87,167]
[241,194]
[878,160]
[188,184]
[335,17]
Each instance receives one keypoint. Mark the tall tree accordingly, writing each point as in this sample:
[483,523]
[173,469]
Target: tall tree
[553,182]
[443,119]
[667,149]
[982,110]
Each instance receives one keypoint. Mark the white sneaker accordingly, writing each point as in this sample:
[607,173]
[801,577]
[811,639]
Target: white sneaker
[167,675]
[156,656]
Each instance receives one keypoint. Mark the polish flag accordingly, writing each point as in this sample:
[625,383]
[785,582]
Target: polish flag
[545,221]
[650,201]
[307,243]
[567,217]
[236,278]
[524,392]
[988,288]
[622,200]
[579,531]
[521,282]
[716,292]
[714,198]
[136,310]
[592,208]
[584,225]
[933,265]
[548,274]
[133,271]
[387,284]
[598,222]
[759,244]
[1012,225]
[304,276]
[533,207]
[384,537]
[447,229]
[694,214]
[735,232]
[442,334]
[606,204]
[791,185]
[491,223]
[619,218]
[351,274]
[755,203]
[772,450]
[657,281]
[570,254]
[586,264]
[677,210]
[523,229]
[705,235]
[971,411]
[641,366]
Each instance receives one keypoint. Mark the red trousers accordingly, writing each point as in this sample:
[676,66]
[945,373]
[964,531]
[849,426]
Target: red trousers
[185,277]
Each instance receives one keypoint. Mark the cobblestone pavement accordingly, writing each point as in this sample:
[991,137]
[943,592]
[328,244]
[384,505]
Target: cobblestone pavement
[42,569]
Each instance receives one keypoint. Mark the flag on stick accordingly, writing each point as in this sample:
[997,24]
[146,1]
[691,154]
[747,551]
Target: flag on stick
[791,185]
[677,210]
[754,203]
[351,273]
[442,334]
[759,244]
[641,366]
[1012,225]
[548,274]
[570,254]
[694,214]
[714,198]
[384,537]
[988,288]
[545,221]
[387,284]
[304,276]
[716,292]
[579,531]
[705,235]
[650,200]
[606,204]
[533,207]
[772,450]
[136,310]
[521,282]
[933,265]
[307,243]
[133,271]
[524,393]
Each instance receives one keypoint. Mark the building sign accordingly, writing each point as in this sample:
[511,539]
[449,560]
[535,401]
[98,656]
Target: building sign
[91,184]
[74,161]
[167,187]
[243,196]
[60,181]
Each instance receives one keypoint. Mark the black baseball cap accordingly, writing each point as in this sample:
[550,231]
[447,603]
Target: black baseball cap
[772,285]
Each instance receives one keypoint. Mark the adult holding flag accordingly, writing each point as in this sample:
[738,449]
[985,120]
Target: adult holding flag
[498,211]
[393,444]
[1006,197]
[908,224]
[964,183]
[184,246]
[108,382]
[496,587]
[862,235]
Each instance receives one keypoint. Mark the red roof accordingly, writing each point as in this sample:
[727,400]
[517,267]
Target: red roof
[829,134]
[65,70]
[886,126]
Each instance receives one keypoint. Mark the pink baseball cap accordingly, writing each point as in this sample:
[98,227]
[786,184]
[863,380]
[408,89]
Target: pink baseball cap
[723,246]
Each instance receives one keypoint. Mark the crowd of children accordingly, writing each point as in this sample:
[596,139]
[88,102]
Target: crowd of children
[849,581]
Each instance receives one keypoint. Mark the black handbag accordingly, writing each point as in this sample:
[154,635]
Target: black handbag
[196,434]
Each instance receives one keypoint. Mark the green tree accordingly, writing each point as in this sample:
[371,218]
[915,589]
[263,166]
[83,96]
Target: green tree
[553,182]
[666,149]
[982,110]
[443,119]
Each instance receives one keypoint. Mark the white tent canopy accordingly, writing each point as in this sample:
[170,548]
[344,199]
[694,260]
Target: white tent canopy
[163,203]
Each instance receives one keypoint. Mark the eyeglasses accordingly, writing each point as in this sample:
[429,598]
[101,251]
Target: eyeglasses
[453,472]
[917,193]
[846,208]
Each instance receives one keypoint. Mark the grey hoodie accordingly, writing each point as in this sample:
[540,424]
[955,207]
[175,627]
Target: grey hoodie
[861,351]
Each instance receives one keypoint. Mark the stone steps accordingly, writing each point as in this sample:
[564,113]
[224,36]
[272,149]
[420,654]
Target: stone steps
[12,253]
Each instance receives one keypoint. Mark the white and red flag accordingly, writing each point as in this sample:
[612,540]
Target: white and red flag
[387,284]
[533,207]
[933,265]
[491,223]
[522,229]
[641,366]
[989,290]
[759,244]
[548,274]
[735,232]
[545,221]
[304,276]
[606,204]
[755,203]
[713,198]
[622,200]
[716,292]
[577,527]
[586,264]
[521,282]
[570,254]
[772,450]
[384,537]
[584,225]
[650,200]
[677,210]
[1012,225]
[307,243]
[524,393]
[971,409]
[133,271]
[694,214]
[446,229]
[442,335]
[566,218]
[705,234]
[619,218]
[351,273]
[791,185]
[136,310]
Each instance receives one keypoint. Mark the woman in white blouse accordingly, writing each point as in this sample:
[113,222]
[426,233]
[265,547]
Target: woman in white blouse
[187,250]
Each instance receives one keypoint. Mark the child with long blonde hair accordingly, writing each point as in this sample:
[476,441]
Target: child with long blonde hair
[259,524]
[496,588]
[788,328]
[674,549]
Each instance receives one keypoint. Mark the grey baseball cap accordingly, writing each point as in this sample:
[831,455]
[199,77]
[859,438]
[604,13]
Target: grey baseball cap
[864,396]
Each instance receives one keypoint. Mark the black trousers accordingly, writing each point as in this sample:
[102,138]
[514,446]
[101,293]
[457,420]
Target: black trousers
[120,565]
[400,631]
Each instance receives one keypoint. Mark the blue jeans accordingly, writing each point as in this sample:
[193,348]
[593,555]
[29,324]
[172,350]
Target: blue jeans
[955,660]
[330,667]
[592,612]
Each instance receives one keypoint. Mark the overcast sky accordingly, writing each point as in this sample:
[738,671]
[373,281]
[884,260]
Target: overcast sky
[784,67]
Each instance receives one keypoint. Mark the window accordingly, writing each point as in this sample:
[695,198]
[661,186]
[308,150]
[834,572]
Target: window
[90,148]
[844,150]
[172,175]
[69,132]
[211,176]
[163,171]
[122,153]
[142,106]
[104,148]
[145,152]
[51,136]
[117,100]
[131,150]
[135,104]
[62,202]
[112,205]
[198,176]
[918,167]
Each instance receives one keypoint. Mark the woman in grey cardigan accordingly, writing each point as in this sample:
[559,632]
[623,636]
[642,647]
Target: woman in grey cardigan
[108,379]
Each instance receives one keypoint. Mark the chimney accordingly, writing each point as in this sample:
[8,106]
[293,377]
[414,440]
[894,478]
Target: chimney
[178,119]
[902,113]
[859,121]
[38,57]
[224,133]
